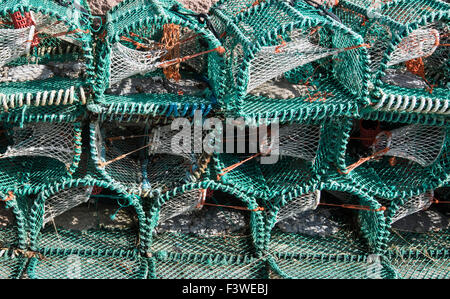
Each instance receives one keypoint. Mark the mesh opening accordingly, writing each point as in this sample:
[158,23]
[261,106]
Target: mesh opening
[114,140]
[320,230]
[419,60]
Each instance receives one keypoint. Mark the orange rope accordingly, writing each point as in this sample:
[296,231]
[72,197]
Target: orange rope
[355,207]
[170,39]
[126,137]
[9,197]
[364,160]
[169,63]
[357,46]
[436,201]
[282,45]
[230,168]
[234,207]
[103,164]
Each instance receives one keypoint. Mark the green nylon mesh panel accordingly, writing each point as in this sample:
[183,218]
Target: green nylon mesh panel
[87,267]
[11,267]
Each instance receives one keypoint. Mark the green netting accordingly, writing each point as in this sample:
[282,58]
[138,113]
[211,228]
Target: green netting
[172,266]
[11,267]
[87,267]
[420,255]
[331,267]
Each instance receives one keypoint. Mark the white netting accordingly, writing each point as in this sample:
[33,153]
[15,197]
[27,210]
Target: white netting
[163,141]
[65,200]
[181,204]
[418,143]
[273,61]
[52,26]
[126,62]
[125,170]
[419,43]
[295,140]
[298,205]
[15,43]
[414,205]
[53,140]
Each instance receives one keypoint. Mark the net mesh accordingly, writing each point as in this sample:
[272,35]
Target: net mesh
[53,140]
[413,205]
[87,267]
[64,201]
[296,140]
[112,142]
[14,44]
[299,204]
[418,143]
[180,204]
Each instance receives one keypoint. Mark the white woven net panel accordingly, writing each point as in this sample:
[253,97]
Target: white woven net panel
[163,141]
[414,205]
[141,58]
[419,43]
[295,140]
[126,170]
[52,26]
[126,62]
[272,61]
[378,36]
[53,140]
[165,172]
[14,43]
[298,205]
[418,143]
[65,200]
[180,204]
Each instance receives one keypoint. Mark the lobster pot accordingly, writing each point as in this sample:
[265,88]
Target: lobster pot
[408,50]
[279,57]
[295,140]
[198,232]
[161,55]
[304,240]
[101,236]
[45,53]
[59,141]
[120,141]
